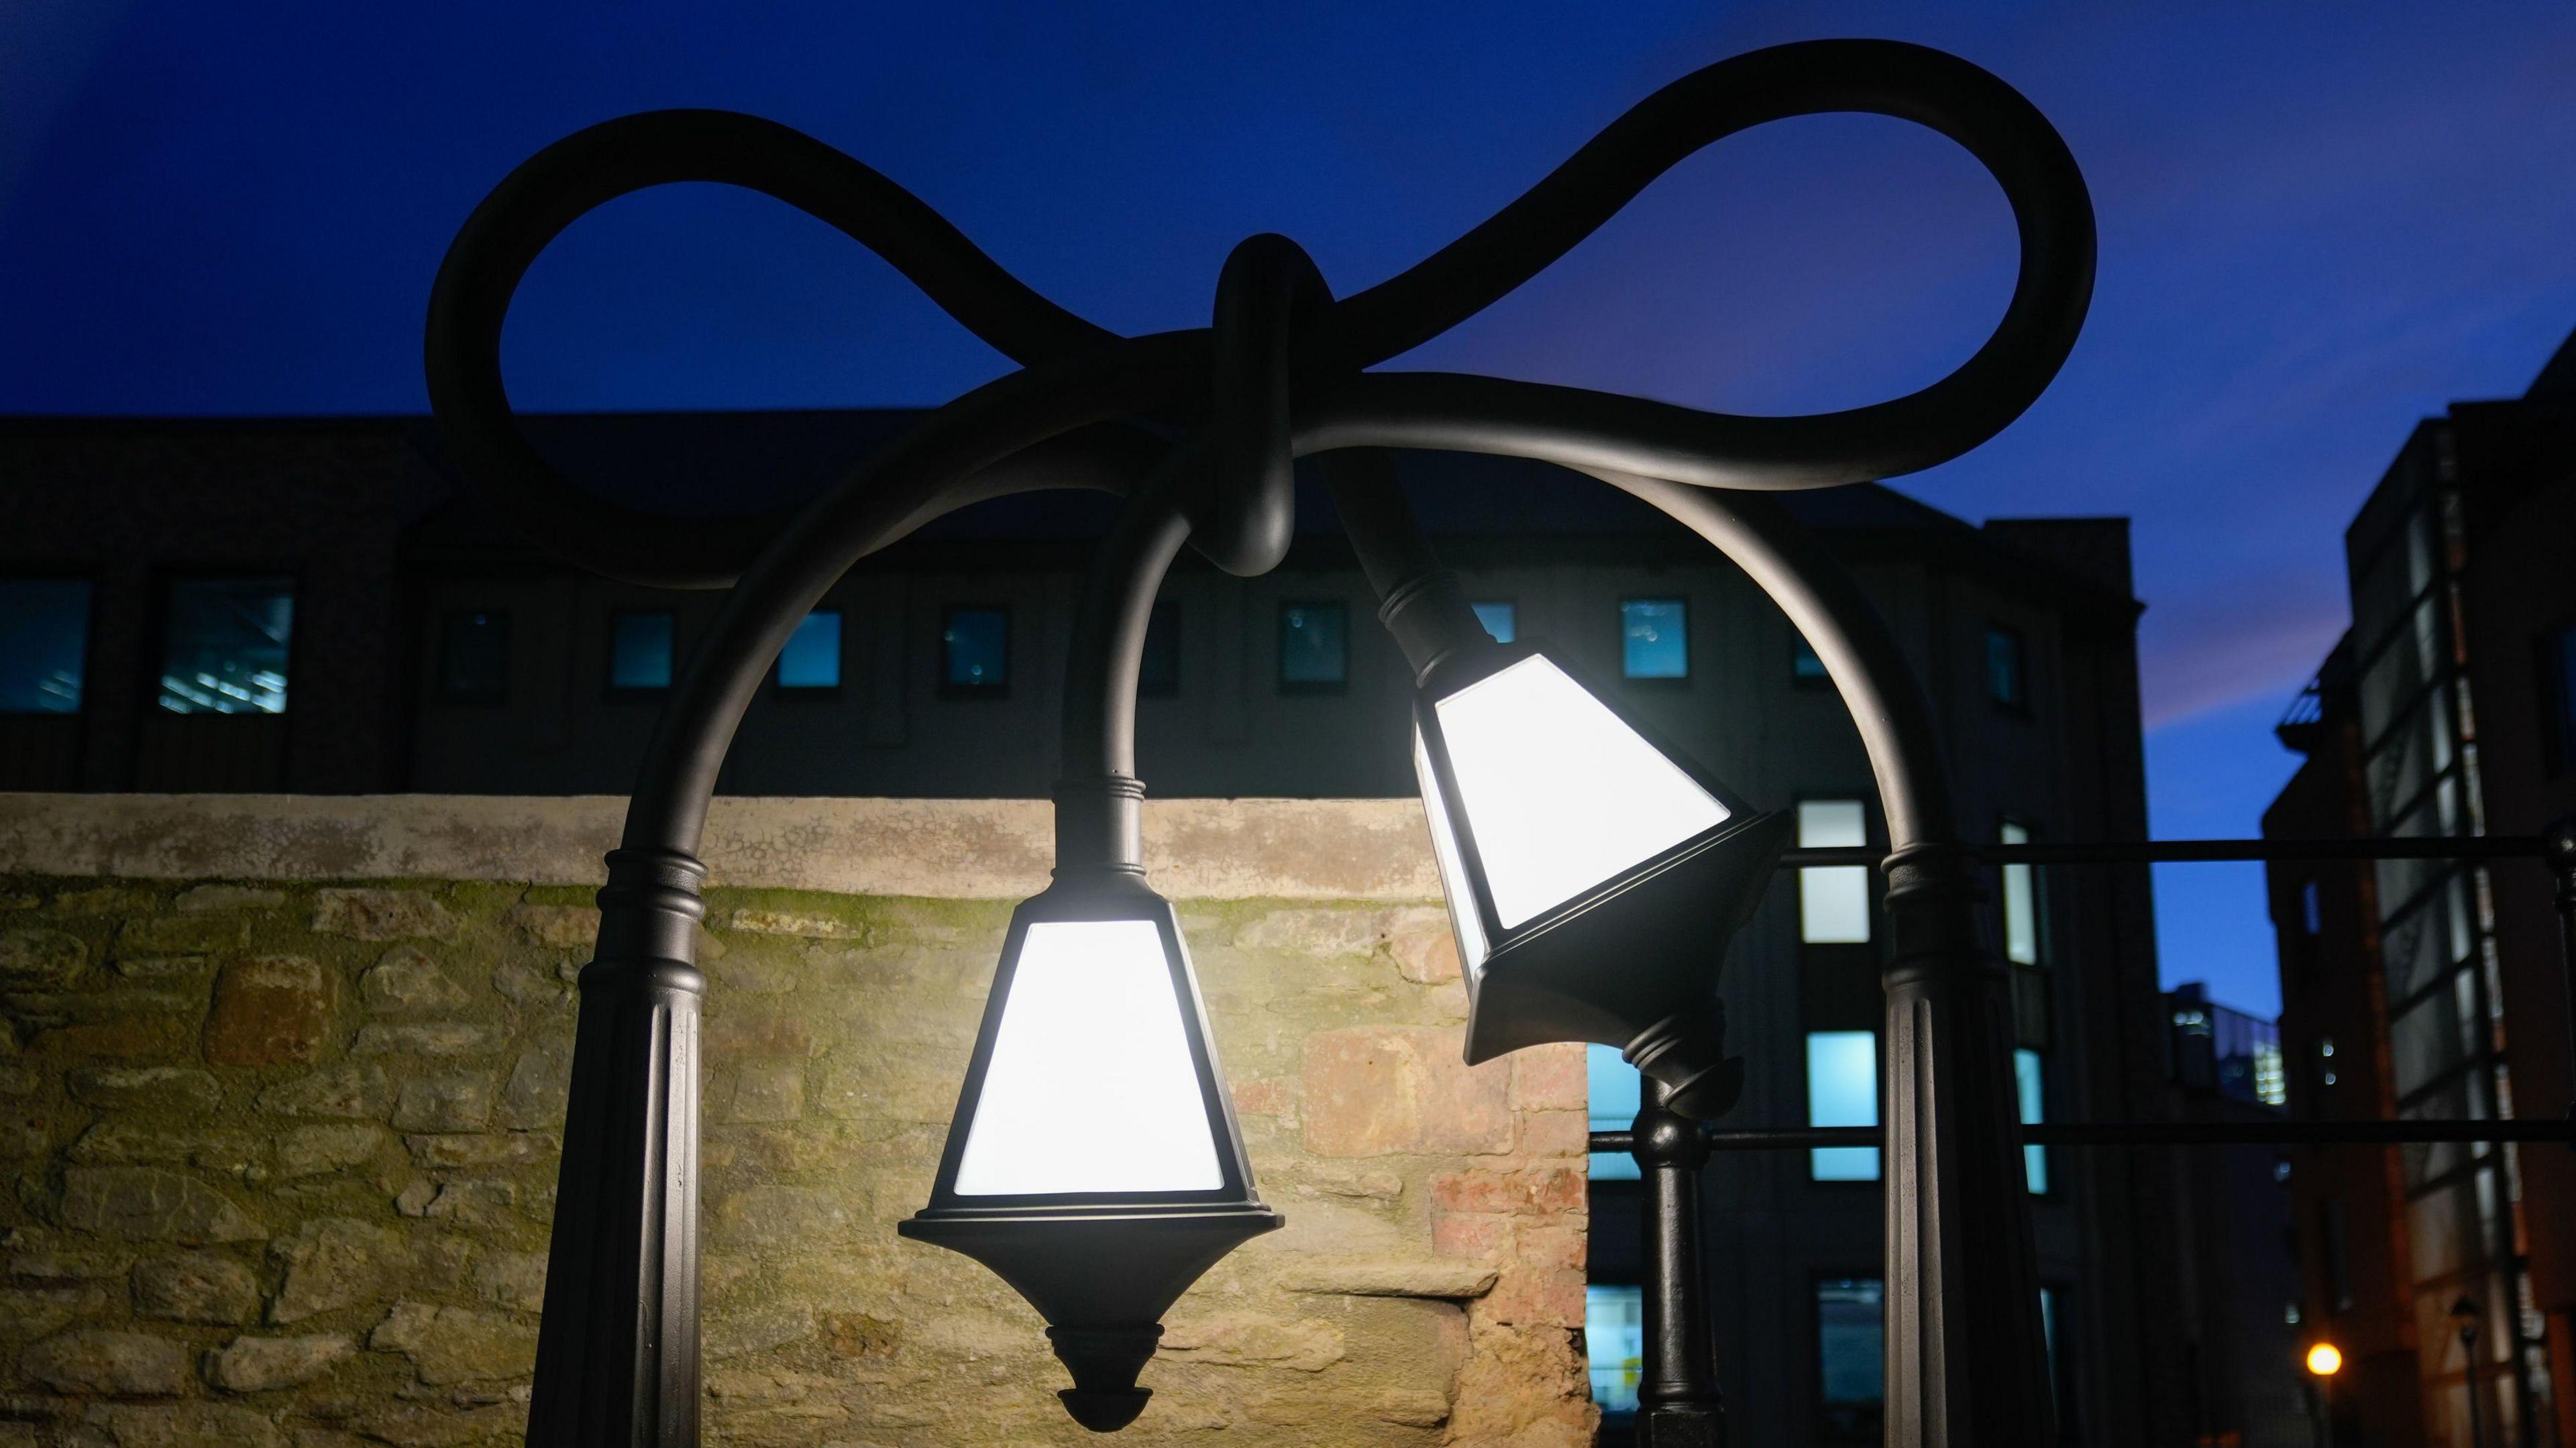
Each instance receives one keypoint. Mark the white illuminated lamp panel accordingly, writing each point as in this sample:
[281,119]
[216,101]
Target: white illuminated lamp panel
[1090,1086]
[1560,794]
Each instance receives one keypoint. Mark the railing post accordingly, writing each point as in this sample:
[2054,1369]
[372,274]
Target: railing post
[1678,1402]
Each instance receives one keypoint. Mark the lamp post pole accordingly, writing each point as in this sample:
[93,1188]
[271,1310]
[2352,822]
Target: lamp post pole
[1678,1402]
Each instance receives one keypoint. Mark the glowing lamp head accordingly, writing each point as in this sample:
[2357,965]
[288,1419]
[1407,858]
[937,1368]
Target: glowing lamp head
[1594,874]
[2325,1360]
[1094,1162]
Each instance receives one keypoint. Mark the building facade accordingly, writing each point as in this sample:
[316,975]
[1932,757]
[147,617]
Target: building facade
[2435,988]
[314,607]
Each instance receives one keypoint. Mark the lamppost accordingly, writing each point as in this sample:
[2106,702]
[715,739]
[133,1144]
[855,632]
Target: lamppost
[2323,1362]
[1592,873]
[2464,1318]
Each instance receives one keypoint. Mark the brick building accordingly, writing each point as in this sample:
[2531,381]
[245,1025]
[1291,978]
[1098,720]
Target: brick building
[2435,988]
[311,606]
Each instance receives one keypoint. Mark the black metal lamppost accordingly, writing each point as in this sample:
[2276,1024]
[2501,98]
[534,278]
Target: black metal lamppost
[1593,874]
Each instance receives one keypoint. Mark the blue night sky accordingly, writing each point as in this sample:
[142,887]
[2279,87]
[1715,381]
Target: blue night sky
[2318,224]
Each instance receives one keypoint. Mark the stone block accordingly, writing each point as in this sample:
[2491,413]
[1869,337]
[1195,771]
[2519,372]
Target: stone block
[780,1215]
[181,934]
[1380,1091]
[1252,1339]
[338,1262]
[1536,1296]
[858,1335]
[1551,1078]
[54,1265]
[304,1151]
[195,1287]
[743,1033]
[772,1092]
[1312,930]
[425,1038]
[202,898]
[1434,1277]
[151,1204]
[1556,1133]
[556,927]
[378,914]
[157,1090]
[1529,1190]
[1423,945]
[515,1148]
[124,1143]
[181,1425]
[406,979]
[539,1087]
[808,925]
[454,1101]
[352,1092]
[31,955]
[515,1280]
[266,1364]
[120,1364]
[269,1010]
[457,1344]
[757,1326]
[133,1037]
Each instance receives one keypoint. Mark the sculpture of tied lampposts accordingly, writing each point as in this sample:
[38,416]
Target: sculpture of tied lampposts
[1593,874]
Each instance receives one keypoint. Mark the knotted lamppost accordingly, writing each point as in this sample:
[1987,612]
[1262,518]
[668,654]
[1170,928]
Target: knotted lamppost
[1592,894]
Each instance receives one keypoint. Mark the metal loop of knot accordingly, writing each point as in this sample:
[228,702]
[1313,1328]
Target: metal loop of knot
[1284,360]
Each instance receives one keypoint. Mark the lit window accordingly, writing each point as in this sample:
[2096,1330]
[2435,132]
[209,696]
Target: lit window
[2281,1170]
[44,644]
[1842,1090]
[1654,638]
[2006,682]
[1833,900]
[1616,1092]
[226,649]
[1851,1356]
[474,657]
[2558,696]
[812,658]
[1614,1336]
[2271,1075]
[2325,1060]
[2289,1314]
[1502,620]
[975,652]
[2311,912]
[1314,648]
[2030,1084]
[1159,675]
[639,651]
[1804,666]
[2061,1364]
[2021,904]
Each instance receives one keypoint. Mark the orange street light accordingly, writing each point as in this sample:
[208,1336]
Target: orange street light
[2325,1359]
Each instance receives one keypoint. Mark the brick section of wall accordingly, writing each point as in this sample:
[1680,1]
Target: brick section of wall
[283,1158]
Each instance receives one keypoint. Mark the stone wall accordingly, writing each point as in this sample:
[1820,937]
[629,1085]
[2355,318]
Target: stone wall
[283,1142]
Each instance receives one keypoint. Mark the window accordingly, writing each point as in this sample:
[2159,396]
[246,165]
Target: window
[2558,697]
[811,662]
[1654,638]
[1616,1092]
[1804,666]
[2311,913]
[639,651]
[1314,648]
[474,657]
[2006,681]
[44,644]
[1614,1336]
[2021,903]
[1160,675]
[2053,1330]
[1851,1356]
[975,652]
[1842,1090]
[2338,1253]
[226,645]
[2030,1084]
[1833,900]
[1502,620]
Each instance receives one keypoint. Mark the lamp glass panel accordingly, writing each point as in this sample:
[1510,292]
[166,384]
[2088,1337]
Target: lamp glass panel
[1090,1086]
[1833,900]
[1560,793]
[1453,870]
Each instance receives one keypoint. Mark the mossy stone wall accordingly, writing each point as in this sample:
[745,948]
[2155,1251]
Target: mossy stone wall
[282,1160]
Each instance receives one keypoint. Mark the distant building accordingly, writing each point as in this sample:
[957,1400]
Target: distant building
[2247,1390]
[2435,988]
[314,607]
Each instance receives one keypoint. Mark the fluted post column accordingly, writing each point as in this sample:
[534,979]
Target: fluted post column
[617,1353]
[1966,1365]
